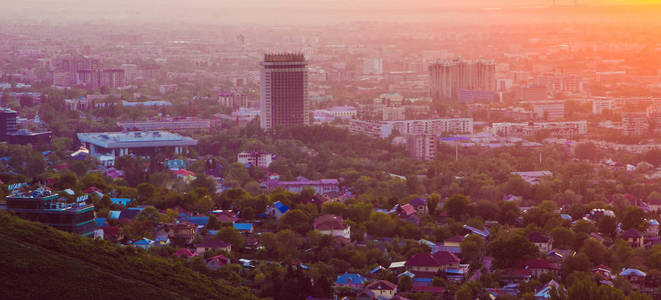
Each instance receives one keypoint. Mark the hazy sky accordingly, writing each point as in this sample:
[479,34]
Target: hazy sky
[258,11]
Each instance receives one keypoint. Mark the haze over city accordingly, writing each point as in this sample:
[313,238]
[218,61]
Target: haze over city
[260,149]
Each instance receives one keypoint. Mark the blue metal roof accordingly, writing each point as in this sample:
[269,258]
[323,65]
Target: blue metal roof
[243,226]
[120,201]
[281,207]
[201,220]
[114,214]
[100,222]
[350,278]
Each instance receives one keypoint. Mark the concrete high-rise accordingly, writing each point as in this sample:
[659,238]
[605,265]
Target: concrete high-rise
[448,77]
[284,91]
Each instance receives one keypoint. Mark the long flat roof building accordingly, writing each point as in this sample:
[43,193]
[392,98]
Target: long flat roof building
[134,142]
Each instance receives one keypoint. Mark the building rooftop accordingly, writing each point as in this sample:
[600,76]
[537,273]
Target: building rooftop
[136,139]
[284,57]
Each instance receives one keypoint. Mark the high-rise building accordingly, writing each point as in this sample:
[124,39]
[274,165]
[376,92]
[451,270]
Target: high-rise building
[7,124]
[447,77]
[284,91]
[635,124]
[373,66]
[421,146]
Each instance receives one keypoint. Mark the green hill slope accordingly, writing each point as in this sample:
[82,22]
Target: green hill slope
[38,262]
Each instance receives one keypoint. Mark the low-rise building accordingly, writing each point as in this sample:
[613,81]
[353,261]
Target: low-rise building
[321,186]
[567,129]
[134,142]
[255,158]
[332,225]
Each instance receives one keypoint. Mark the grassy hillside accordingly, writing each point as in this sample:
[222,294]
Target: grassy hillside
[38,262]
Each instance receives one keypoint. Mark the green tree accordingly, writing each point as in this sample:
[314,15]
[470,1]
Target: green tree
[510,249]
[634,217]
[232,236]
[457,206]
[296,220]
[607,226]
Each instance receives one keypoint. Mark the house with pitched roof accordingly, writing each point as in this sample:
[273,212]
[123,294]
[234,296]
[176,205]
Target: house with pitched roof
[423,262]
[634,237]
[538,266]
[332,225]
[216,262]
[420,205]
[380,289]
[350,280]
[543,242]
[244,227]
[186,253]
[546,291]
[277,209]
[143,243]
[212,244]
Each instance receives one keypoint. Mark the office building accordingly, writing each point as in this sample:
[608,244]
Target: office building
[321,186]
[284,91]
[10,133]
[373,66]
[42,205]
[548,110]
[255,158]
[383,129]
[422,146]
[7,124]
[567,129]
[599,106]
[176,124]
[447,77]
[635,124]
[112,144]
[234,100]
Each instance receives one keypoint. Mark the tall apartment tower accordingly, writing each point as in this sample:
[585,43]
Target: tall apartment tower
[447,77]
[421,146]
[284,91]
[7,123]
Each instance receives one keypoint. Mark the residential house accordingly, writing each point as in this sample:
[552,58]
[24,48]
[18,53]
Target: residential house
[538,266]
[481,233]
[380,289]
[557,256]
[500,293]
[634,237]
[332,225]
[654,204]
[447,260]
[350,280]
[244,227]
[423,262]
[277,209]
[546,291]
[635,276]
[604,273]
[186,253]
[181,234]
[454,241]
[212,244]
[420,205]
[216,262]
[407,212]
[120,201]
[515,275]
[435,291]
[200,221]
[225,216]
[543,242]
[143,243]
[653,229]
